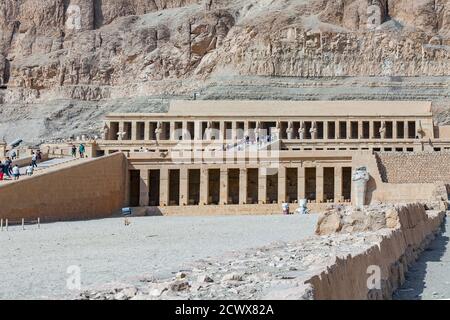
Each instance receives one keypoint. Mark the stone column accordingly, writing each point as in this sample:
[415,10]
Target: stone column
[146,130]
[234,131]
[198,130]
[246,128]
[281,184]
[371,133]
[164,187]
[222,131]
[184,186]
[325,130]
[360,130]
[349,129]
[319,184]
[224,185]
[337,184]
[394,129]
[133,130]
[406,135]
[243,186]
[204,186]
[172,131]
[301,183]
[262,186]
[144,188]
[121,128]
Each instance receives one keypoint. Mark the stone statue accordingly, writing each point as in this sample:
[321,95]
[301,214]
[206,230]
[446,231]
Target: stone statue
[290,131]
[313,131]
[105,132]
[420,132]
[208,131]
[158,131]
[301,131]
[360,178]
[376,12]
[383,130]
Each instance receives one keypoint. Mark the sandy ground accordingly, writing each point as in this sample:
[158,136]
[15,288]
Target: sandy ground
[429,277]
[34,262]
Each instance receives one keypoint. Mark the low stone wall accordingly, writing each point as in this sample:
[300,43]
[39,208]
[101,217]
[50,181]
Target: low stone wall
[230,209]
[91,189]
[417,167]
[412,229]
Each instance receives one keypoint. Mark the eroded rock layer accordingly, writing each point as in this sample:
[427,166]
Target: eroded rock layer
[89,50]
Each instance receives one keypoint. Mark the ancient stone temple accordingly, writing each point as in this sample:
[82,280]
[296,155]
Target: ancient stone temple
[251,156]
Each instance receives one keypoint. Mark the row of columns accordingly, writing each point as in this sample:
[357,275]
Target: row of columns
[200,135]
[224,188]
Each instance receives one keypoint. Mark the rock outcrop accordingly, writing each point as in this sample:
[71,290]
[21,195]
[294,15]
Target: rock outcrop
[89,50]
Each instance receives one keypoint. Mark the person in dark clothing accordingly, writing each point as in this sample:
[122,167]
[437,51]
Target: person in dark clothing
[1,170]
[74,151]
[7,167]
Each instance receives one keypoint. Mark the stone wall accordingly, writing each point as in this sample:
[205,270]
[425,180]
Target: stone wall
[424,167]
[92,189]
[395,250]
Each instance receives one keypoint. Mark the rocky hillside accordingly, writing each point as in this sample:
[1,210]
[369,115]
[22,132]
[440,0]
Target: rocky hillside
[64,63]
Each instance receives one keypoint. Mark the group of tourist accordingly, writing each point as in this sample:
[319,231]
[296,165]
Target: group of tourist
[7,169]
[81,150]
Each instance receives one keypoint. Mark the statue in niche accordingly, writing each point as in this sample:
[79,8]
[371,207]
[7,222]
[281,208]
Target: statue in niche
[301,131]
[382,130]
[105,132]
[360,178]
[420,133]
[158,131]
[375,13]
[313,131]
[290,131]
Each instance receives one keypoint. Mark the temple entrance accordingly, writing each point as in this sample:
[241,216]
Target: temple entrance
[252,186]
[328,184]
[154,187]
[213,186]
[347,183]
[174,187]
[233,186]
[135,182]
[310,183]
[291,185]
[113,130]
[194,187]
[272,188]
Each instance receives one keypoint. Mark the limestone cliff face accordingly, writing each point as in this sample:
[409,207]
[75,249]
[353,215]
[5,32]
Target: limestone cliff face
[93,50]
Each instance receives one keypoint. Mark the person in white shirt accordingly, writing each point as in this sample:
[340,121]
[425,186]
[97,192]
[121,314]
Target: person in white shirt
[16,172]
[30,170]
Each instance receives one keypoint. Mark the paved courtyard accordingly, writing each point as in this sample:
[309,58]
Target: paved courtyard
[34,262]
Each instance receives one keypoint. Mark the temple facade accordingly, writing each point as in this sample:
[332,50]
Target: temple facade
[248,155]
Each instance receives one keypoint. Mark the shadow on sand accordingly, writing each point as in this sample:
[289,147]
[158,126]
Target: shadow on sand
[415,285]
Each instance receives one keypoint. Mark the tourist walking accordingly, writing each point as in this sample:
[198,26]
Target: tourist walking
[13,154]
[34,160]
[30,170]
[7,167]
[81,150]
[1,170]
[16,172]
[74,151]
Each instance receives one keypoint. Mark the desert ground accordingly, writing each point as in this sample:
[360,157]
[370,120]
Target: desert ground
[35,261]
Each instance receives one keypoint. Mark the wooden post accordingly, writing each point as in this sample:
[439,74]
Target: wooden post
[6,224]
[1,224]
[39,223]
[23,224]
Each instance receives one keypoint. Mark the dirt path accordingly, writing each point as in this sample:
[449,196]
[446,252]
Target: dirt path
[429,277]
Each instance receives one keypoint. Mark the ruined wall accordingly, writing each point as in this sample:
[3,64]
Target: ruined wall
[92,189]
[421,167]
[395,192]
[396,249]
